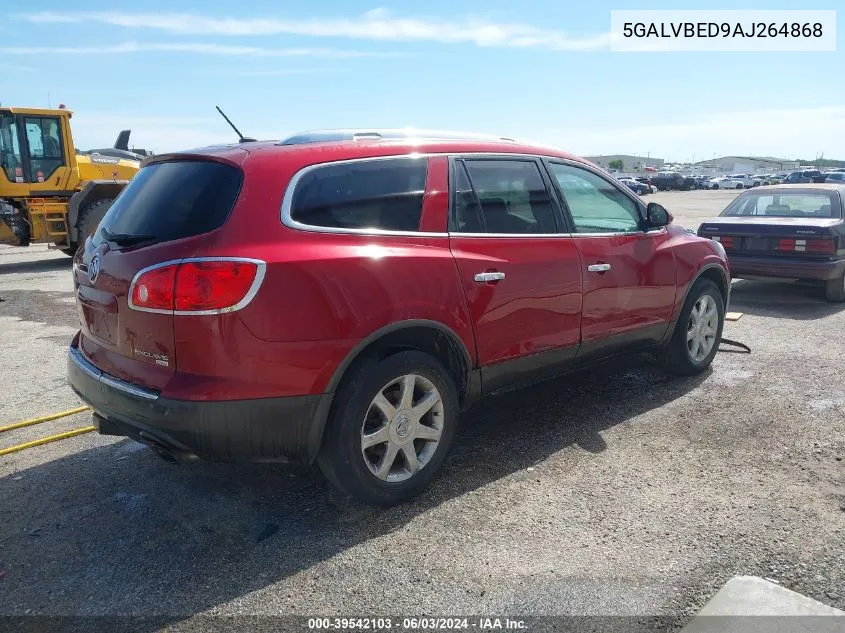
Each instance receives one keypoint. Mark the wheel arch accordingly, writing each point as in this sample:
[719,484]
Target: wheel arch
[715,273]
[93,191]
[423,335]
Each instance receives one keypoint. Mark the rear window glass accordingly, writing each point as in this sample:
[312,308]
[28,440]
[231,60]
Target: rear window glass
[174,200]
[786,205]
[375,194]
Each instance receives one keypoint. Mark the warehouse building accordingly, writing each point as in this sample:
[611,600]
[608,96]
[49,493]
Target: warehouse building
[747,165]
[629,163]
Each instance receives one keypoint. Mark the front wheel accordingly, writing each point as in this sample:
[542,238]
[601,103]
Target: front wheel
[390,428]
[739,186]
[834,290]
[695,341]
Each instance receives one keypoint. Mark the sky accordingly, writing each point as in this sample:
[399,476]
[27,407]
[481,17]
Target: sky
[539,70]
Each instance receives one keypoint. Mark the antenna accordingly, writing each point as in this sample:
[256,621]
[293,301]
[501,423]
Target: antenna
[241,137]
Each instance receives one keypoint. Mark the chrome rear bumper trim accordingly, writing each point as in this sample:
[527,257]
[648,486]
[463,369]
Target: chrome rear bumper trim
[107,379]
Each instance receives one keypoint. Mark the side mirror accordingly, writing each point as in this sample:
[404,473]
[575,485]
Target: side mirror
[657,215]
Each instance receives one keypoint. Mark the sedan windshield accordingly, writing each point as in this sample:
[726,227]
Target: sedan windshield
[792,204]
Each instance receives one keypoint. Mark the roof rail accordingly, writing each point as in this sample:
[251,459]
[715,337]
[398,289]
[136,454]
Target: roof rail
[330,136]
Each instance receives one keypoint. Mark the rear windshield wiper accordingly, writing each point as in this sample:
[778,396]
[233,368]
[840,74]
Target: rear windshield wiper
[126,239]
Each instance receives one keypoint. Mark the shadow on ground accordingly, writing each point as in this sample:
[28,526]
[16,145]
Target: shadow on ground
[114,530]
[38,265]
[51,307]
[782,299]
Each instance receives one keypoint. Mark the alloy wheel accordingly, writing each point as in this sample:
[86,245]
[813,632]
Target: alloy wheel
[402,428]
[702,328]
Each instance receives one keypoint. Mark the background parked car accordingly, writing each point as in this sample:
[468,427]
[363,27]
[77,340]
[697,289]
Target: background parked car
[639,188]
[762,179]
[745,179]
[804,176]
[646,180]
[786,231]
[725,182]
[673,181]
[703,182]
[835,176]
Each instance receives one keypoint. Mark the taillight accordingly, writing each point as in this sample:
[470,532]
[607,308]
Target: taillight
[197,286]
[726,240]
[823,247]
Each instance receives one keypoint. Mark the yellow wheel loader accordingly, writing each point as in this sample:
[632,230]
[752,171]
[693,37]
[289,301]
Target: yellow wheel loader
[49,191]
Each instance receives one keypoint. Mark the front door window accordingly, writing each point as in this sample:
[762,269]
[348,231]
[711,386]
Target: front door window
[45,147]
[595,204]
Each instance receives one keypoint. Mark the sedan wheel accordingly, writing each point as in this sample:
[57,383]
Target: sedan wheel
[835,290]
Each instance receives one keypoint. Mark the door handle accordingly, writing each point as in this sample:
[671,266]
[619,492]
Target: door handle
[487,277]
[598,268]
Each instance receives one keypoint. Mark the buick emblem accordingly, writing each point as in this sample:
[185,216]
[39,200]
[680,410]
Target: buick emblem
[94,268]
[402,425]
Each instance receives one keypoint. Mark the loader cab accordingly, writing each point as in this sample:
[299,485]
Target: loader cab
[36,151]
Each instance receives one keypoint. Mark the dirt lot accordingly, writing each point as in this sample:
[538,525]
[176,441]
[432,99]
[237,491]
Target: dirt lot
[621,491]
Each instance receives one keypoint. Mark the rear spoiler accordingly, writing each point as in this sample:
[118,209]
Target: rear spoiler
[226,154]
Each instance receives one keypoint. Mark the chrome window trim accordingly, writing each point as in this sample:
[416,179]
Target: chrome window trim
[97,374]
[248,297]
[287,199]
[548,235]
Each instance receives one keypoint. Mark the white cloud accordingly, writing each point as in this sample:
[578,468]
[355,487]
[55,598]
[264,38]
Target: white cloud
[783,132]
[377,25]
[190,47]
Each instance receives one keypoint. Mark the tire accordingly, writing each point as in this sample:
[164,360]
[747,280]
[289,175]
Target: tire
[90,217]
[834,290]
[358,471]
[678,358]
[739,185]
[715,185]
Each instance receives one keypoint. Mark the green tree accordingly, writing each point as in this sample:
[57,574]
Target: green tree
[616,164]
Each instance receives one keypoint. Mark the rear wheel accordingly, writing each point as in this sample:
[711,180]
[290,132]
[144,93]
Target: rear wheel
[695,340]
[835,289]
[739,185]
[390,428]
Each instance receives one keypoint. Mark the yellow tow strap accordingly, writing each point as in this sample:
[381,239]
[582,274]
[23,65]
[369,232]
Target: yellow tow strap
[46,418]
[48,439]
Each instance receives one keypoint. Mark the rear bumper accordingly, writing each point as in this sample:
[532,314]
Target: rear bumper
[777,267]
[286,429]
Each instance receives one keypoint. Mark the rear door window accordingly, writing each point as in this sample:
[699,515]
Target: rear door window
[501,196]
[383,194]
[174,200]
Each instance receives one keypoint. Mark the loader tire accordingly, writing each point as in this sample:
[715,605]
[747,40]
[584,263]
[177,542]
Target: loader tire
[90,217]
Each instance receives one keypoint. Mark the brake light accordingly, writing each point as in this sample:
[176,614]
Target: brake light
[194,286]
[213,285]
[726,240]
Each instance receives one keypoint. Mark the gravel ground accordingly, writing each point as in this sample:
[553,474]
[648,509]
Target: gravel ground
[620,491]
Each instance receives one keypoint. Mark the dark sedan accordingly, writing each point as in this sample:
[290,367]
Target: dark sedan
[786,231]
[637,187]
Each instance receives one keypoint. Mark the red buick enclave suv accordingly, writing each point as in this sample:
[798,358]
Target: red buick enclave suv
[341,297]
